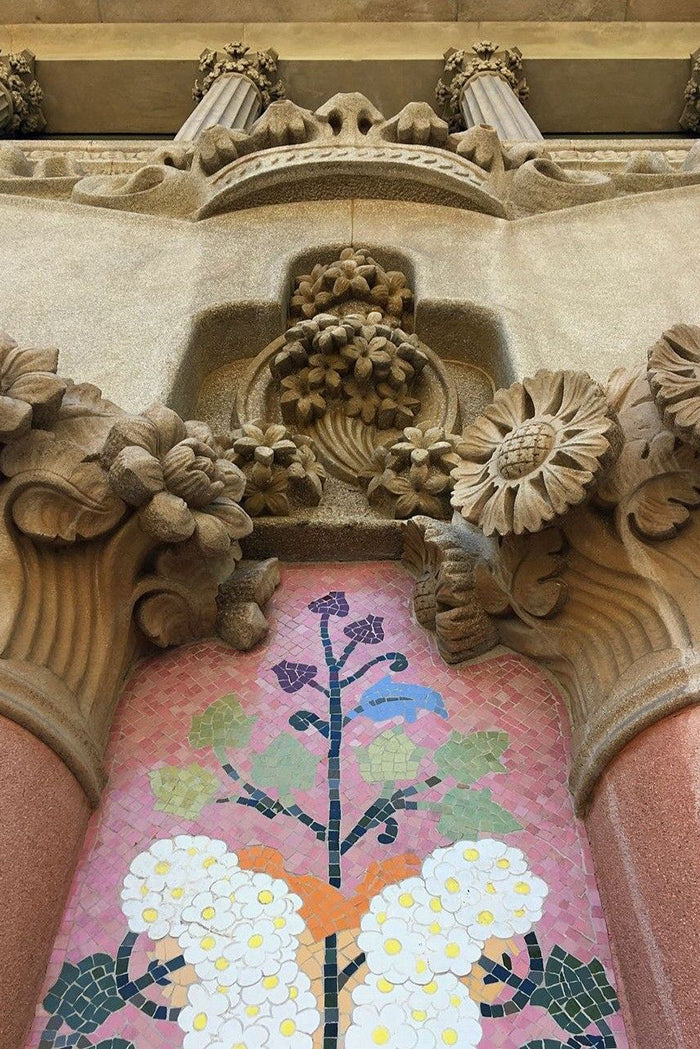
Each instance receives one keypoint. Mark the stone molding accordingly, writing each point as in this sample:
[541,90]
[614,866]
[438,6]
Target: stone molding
[581,545]
[20,96]
[346,148]
[116,530]
[690,117]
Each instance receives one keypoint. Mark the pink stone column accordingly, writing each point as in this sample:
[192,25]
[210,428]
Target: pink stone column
[43,816]
[644,827]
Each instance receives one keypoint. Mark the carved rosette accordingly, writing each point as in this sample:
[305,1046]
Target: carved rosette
[115,528]
[583,541]
[537,451]
[20,96]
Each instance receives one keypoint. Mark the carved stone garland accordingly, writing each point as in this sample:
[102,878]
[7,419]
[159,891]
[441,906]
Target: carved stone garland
[592,565]
[20,96]
[114,528]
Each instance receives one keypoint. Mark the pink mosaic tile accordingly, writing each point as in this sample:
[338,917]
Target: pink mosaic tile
[342,821]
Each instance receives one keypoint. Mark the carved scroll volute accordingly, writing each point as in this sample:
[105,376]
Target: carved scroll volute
[113,527]
[594,560]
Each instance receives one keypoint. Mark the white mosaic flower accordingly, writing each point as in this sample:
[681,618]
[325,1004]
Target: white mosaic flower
[231,883]
[488,859]
[451,951]
[440,1012]
[237,1034]
[388,1025]
[401,900]
[201,946]
[213,912]
[217,967]
[151,914]
[205,859]
[267,897]
[455,886]
[202,1017]
[292,1023]
[275,989]
[488,918]
[259,950]
[394,949]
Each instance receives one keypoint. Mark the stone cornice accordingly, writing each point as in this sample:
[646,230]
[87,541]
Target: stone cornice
[103,78]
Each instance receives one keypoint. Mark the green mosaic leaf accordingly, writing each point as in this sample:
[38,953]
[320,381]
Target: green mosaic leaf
[389,757]
[85,995]
[285,765]
[466,813]
[183,791]
[222,724]
[469,757]
[574,993]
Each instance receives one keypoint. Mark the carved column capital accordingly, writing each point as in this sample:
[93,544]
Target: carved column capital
[236,86]
[584,542]
[20,96]
[690,117]
[487,87]
[114,529]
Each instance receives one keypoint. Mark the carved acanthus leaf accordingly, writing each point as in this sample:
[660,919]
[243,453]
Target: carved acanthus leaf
[444,596]
[182,604]
[60,497]
[525,576]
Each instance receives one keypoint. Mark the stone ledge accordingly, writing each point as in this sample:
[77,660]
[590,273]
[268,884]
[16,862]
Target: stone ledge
[606,77]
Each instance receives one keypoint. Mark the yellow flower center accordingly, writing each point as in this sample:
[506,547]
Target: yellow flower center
[293,992]
[381,917]
[490,887]
[392,946]
[434,928]
[522,888]
[449,1036]
[255,940]
[435,905]
[471,855]
[208,913]
[419,1015]
[221,964]
[207,942]
[430,988]
[162,867]
[177,893]
[252,1010]
[270,981]
[452,950]
[504,864]
[485,918]
[279,923]
[200,1021]
[287,1028]
[380,1035]
[384,986]
[150,914]
[209,861]
[421,966]
[452,885]
[265,896]
[406,900]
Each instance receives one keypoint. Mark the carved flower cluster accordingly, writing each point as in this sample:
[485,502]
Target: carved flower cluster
[412,474]
[24,94]
[30,391]
[182,488]
[280,468]
[358,363]
[353,280]
[539,448]
[260,67]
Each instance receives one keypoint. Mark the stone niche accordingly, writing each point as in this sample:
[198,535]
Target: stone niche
[347,417]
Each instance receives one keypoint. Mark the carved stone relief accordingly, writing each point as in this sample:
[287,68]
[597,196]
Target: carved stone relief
[20,96]
[116,529]
[690,117]
[584,498]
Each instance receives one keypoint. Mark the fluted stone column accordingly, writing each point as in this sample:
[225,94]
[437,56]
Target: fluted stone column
[236,87]
[488,89]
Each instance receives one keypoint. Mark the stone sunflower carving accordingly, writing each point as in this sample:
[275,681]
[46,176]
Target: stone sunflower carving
[673,371]
[538,450]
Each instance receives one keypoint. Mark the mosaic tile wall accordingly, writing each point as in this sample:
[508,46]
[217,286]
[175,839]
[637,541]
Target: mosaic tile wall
[335,840]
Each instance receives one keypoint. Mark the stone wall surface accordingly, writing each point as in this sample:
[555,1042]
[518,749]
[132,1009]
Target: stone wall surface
[146,306]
